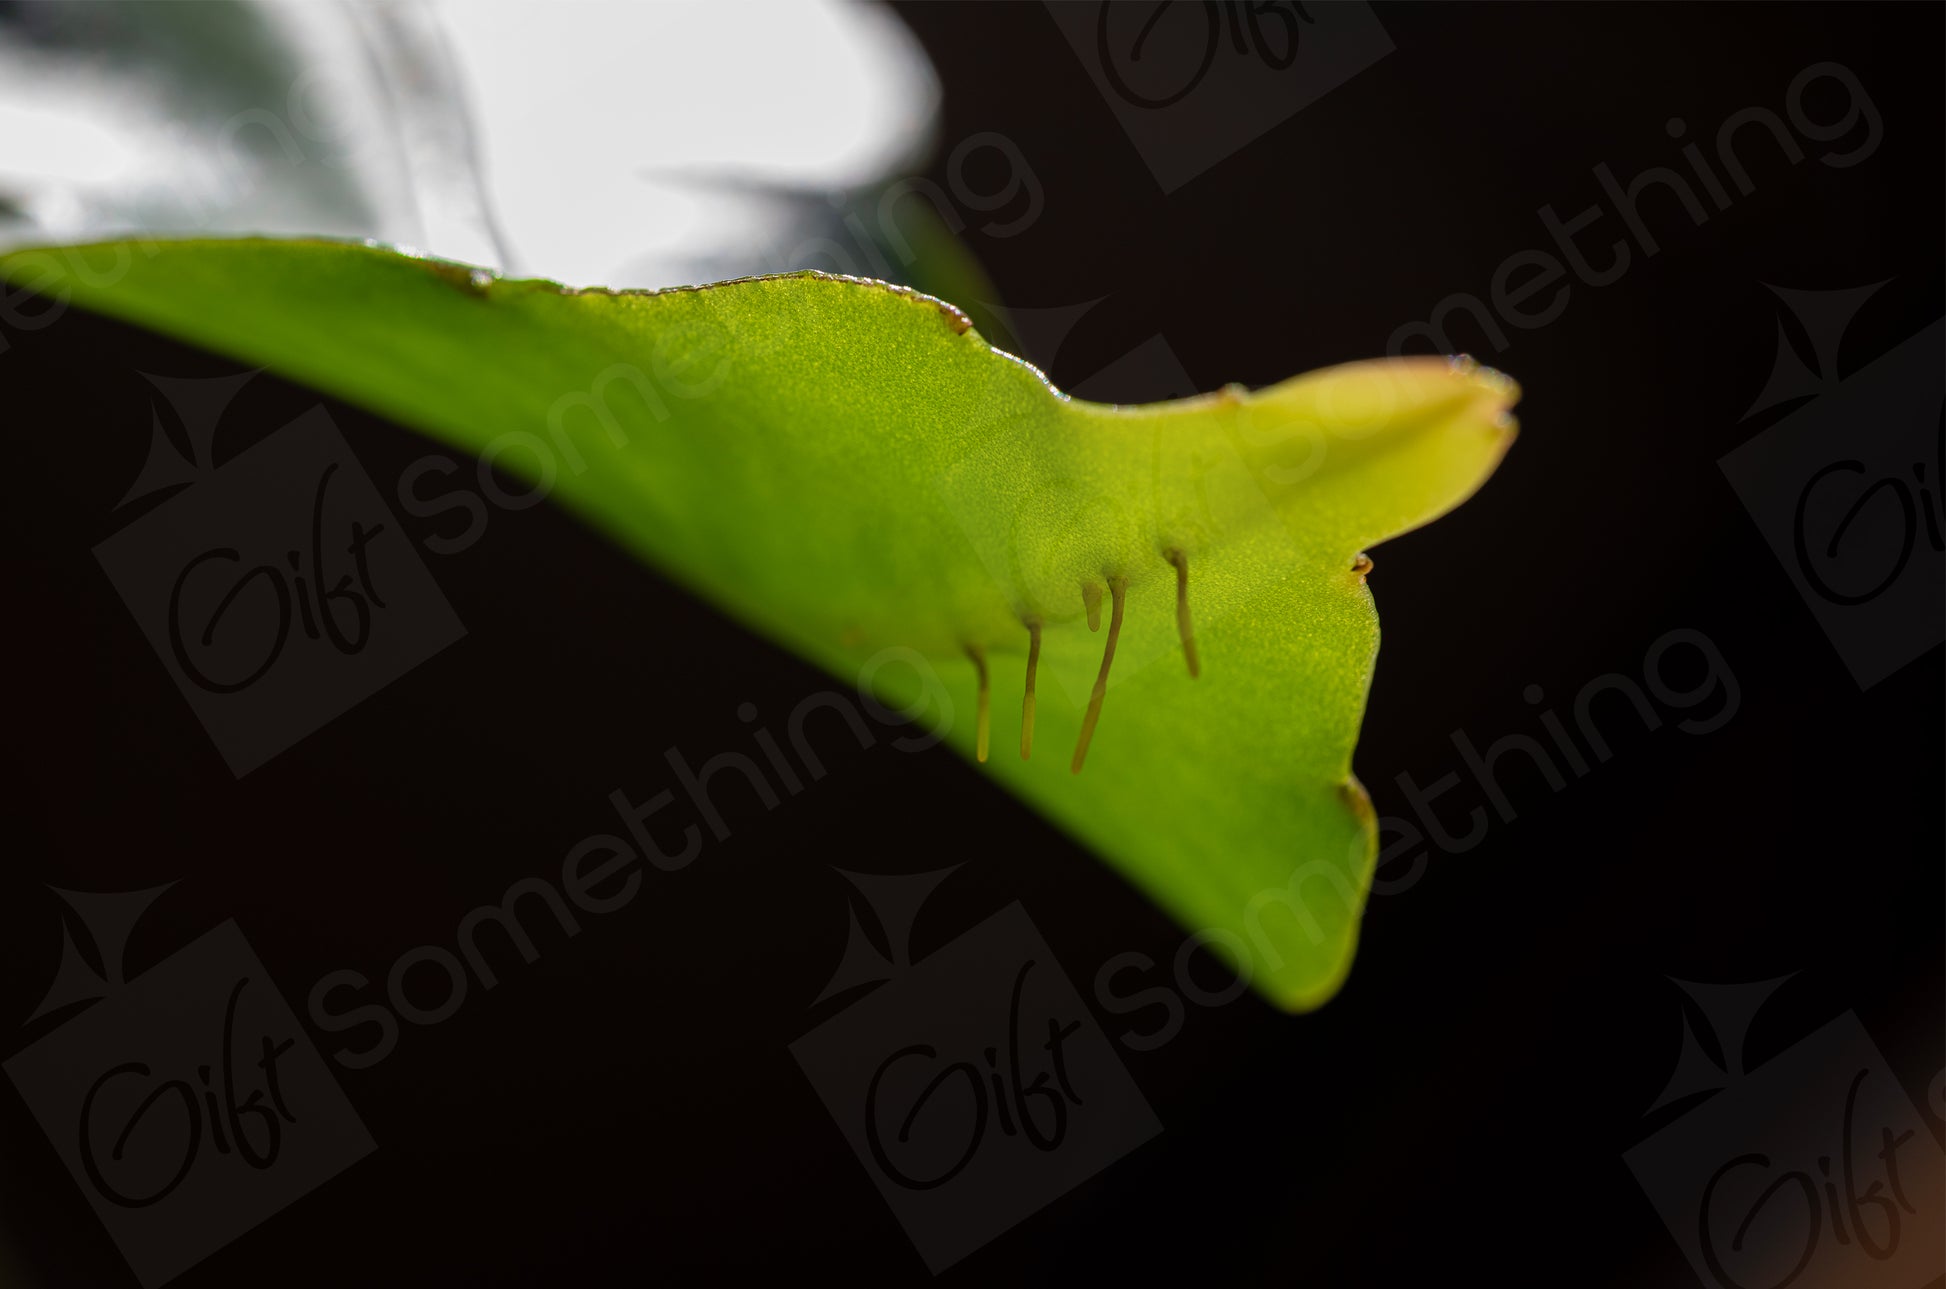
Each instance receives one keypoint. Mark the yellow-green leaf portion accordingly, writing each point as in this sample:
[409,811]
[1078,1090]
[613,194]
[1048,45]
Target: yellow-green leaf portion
[849,469]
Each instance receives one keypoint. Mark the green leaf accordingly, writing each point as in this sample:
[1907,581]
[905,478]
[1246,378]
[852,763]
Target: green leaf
[850,470]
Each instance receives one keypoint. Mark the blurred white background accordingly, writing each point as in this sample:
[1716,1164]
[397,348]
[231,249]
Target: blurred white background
[613,142]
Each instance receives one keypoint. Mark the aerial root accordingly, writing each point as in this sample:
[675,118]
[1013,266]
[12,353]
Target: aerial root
[979,657]
[1027,700]
[1116,587]
[1183,628]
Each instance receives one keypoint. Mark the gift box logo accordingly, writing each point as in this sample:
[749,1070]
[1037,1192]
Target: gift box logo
[1813,1171]
[1846,488]
[187,1103]
[1193,83]
[973,1085]
[278,589]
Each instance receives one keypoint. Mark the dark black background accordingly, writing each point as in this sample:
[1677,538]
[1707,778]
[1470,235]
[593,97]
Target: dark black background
[627,1109]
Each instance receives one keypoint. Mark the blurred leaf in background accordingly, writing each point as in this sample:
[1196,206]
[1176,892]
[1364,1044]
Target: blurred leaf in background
[596,143]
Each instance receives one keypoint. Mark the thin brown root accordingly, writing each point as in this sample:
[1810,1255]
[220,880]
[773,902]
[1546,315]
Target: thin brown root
[979,657]
[1116,587]
[1027,701]
[1183,628]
